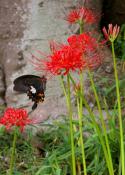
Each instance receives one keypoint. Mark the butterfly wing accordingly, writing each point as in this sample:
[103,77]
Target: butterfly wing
[22,83]
[33,85]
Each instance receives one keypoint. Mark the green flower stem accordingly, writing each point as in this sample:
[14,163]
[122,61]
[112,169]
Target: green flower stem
[68,100]
[71,126]
[103,124]
[13,153]
[96,127]
[81,25]
[119,110]
[80,111]
[81,28]
[63,87]
[80,114]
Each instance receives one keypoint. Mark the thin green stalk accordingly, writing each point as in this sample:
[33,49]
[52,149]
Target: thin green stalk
[95,125]
[71,126]
[63,87]
[68,100]
[111,171]
[119,111]
[80,114]
[81,24]
[110,164]
[13,153]
[99,132]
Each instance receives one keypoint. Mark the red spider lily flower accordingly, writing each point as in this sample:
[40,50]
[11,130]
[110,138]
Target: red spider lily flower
[15,117]
[82,14]
[80,53]
[64,60]
[112,32]
[87,46]
[83,42]
[61,61]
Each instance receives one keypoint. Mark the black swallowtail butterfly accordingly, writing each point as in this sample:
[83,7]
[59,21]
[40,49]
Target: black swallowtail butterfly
[34,86]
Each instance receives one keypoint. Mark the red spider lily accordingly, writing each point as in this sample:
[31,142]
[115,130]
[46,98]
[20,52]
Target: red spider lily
[83,42]
[61,61]
[112,32]
[39,62]
[15,117]
[64,60]
[82,14]
[80,53]
[89,47]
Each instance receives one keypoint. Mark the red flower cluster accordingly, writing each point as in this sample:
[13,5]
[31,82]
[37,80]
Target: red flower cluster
[83,42]
[15,117]
[81,15]
[87,46]
[64,60]
[80,53]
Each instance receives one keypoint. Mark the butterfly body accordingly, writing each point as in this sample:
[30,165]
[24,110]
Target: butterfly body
[34,86]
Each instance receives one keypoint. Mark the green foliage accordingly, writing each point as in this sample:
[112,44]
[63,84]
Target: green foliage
[120,44]
[54,156]
[23,162]
[106,88]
